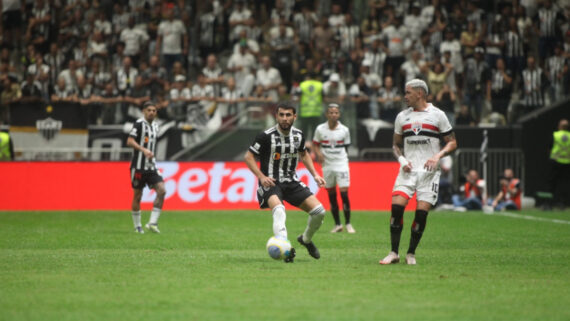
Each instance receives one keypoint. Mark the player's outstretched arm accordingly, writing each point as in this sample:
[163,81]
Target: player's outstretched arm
[308,162]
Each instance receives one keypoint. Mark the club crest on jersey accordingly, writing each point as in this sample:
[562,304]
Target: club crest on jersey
[296,142]
[416,127]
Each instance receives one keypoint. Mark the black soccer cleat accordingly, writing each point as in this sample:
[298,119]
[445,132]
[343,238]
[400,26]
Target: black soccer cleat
[313,251]
[289,259]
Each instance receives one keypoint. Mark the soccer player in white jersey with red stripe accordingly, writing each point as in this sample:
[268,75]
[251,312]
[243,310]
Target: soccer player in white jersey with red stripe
[330,143]
[416,145]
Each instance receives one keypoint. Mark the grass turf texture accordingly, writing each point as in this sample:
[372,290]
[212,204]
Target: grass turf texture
[213,266]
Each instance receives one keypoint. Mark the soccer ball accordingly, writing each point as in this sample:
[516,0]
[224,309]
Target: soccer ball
[278,248]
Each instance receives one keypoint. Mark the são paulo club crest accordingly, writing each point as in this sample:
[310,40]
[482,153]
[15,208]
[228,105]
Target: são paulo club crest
[416,127]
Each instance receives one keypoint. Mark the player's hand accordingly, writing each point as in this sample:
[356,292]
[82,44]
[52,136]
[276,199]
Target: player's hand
[407,168]
[320,181]
[267,181]
[148,154]
[431,163]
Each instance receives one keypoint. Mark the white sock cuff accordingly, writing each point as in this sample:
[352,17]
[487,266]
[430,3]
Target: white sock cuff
[156,209]
[136,212]
[278,207]
[319,209]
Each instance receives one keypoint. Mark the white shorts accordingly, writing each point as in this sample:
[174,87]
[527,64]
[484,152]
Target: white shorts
[335,177]
[424,184]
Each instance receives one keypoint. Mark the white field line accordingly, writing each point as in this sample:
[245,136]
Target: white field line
[530,218]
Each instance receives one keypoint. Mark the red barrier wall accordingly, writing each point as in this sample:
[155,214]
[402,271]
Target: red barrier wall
[190,186]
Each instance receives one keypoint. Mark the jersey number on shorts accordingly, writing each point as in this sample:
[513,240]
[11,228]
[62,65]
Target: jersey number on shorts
[434,187]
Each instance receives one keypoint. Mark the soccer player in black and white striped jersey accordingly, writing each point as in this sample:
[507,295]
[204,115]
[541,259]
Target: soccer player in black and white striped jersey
[279,149]
[143,138]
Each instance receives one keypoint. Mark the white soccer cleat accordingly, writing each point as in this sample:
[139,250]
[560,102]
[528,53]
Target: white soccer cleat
[153,228]
[336,229]
[391,258]
[488,209]
[410,259]
[350,229]
[139,230]
[460,209]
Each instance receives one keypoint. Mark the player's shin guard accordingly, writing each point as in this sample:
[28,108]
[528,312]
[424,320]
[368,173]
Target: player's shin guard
[334,205]
[316,216]
[396,226]
[279,216]
[345,206]
[417,230]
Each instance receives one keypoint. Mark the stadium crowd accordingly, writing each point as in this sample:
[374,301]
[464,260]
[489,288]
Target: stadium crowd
[483,60]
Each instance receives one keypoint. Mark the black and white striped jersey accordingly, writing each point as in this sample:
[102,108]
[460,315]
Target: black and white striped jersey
[547,19]
[279,154]
[146,135]
[533,84]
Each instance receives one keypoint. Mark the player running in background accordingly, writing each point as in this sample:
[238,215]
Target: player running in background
[142,139]
[279,149]
[330,143]
[417,132]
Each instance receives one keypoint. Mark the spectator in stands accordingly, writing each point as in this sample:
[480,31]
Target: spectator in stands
[452,45]
[268,78]
[322,37]
[359,94]
[336,18]
[510,193]
[135,40]
[334,90]
[282,54]
[213,73]
[202,91]
[155,76]
[501,88]
[348,33]
[207,28]
[375,57]
[412,68]
[84,90]
[397,37]
[424,47]
[413,22]
[533,84]
[370,26]
[70,75]
[240,65]
[171,41]
[514,48]
[547,22]
[470,39]
[41,72]
[250,44]
[125,79]
[304,23]
[495,43]
[39,29]
[446,100]
[390,100]
[230,100]
[437,77]
[554,71]
[54,59]
[98,78]
[31,90]
[240,19]
[464,117]
[179,97]
[63,93]
[110,102]
[473,193]
[177,69]
[477,82]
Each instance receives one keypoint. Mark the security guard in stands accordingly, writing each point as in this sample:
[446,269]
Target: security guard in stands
[560,162]
[6,147]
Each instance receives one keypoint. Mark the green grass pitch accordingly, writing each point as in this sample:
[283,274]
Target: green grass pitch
[212,265]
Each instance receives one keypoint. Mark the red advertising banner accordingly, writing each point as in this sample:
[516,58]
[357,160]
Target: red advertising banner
[189,186]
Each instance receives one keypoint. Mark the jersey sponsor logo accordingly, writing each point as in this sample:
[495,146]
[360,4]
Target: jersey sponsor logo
[418,142]
[146,139]
[278,156]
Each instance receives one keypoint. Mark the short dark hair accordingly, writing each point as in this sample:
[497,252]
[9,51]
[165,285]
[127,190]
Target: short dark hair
[148,104]
[286,105]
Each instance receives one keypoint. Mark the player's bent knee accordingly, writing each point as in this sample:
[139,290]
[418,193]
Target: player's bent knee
[318,210]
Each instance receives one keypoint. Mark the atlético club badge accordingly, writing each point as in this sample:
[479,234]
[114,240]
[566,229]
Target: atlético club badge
[416,127]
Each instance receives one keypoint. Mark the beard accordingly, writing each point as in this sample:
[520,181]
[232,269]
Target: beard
[285,126]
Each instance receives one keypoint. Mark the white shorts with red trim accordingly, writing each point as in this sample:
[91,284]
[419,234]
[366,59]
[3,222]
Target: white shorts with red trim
[424,184]
[336,176]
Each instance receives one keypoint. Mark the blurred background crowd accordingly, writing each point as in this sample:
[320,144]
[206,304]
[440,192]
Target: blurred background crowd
[484,61]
